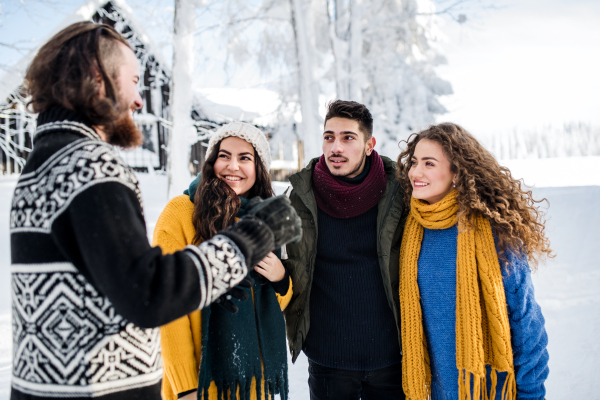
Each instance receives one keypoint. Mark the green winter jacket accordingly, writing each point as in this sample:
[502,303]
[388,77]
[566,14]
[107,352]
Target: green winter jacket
[301,256]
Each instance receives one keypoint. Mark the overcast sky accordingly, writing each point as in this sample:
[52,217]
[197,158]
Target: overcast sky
[523,64]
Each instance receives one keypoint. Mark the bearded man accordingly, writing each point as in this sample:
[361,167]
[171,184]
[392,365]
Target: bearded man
[88,290]
[344,313]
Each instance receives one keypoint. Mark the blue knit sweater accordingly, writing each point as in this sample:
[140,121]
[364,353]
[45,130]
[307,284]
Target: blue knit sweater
[437,287]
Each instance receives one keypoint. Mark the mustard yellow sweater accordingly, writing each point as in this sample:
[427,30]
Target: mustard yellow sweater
[181,339]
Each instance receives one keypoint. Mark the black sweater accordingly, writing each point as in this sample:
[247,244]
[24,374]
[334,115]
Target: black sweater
[351,323]
[85,281]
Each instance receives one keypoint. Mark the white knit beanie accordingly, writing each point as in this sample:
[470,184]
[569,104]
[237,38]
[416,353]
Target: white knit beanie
[245,131]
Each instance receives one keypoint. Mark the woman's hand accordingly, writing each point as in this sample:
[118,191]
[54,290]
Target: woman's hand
[271,268]
[190,396]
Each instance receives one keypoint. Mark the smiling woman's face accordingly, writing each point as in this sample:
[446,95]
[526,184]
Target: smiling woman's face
[430,174]
[235,165]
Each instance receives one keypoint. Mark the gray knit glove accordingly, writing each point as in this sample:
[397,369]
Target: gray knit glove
[279,215]
[235,293]
[267,225]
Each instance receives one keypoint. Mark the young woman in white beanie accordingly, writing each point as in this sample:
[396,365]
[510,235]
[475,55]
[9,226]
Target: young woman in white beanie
[222,351]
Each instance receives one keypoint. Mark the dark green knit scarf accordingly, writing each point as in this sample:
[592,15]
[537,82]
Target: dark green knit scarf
[232,344]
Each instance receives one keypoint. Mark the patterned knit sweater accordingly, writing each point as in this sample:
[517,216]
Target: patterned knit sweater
[88,291]
[437,287]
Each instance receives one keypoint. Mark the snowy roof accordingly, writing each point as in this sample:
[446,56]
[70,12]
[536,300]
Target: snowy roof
[220,113]
[14,76]
[257,105]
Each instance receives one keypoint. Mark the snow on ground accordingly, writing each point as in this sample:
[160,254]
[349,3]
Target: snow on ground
[567,290]
[7,185]
[6,188]
[566,287]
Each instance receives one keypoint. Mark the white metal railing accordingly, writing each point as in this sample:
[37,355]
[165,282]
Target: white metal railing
[16,131]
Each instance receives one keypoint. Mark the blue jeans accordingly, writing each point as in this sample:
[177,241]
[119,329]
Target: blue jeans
[341,384]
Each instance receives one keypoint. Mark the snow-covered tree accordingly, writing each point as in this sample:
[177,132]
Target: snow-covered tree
[181,97]
[304,41]
[346,36]
[385,54]
[381,52]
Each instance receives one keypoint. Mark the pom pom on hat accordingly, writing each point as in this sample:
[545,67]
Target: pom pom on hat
[249,133]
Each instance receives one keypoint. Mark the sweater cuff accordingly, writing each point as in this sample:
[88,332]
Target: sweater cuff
[253,237]
[183,377]
[221,266]
[281,287]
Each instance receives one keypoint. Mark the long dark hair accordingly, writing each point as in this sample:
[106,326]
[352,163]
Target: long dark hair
[64,72]
[484,187]
[215,202]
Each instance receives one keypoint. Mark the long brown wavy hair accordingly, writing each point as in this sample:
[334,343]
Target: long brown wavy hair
[216,204]
[487,188]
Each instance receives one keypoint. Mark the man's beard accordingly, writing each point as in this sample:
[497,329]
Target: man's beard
[124,133]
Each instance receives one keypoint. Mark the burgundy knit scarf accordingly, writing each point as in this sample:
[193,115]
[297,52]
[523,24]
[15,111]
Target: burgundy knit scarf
[346,200]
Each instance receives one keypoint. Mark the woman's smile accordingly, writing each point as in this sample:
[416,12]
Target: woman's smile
[419,184]
[232,178]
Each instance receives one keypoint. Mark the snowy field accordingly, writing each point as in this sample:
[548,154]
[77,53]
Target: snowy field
[567,287]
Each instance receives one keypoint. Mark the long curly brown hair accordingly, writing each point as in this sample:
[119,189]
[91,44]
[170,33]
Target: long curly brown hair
[215,203]
[485,187]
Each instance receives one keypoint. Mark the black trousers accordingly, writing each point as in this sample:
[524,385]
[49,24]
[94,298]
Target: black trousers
[341,384]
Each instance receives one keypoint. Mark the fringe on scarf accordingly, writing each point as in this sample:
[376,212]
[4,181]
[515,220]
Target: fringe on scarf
[241,389]
[477,386]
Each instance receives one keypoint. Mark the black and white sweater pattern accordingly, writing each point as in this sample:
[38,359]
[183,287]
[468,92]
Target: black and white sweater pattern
[88,291]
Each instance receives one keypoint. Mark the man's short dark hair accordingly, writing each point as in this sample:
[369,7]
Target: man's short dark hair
[354,111]
[64,72]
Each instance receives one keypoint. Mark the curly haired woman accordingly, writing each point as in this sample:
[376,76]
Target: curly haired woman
[217,353]
[471,327]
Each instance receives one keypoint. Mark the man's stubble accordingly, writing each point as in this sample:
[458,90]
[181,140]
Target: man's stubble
[356,169]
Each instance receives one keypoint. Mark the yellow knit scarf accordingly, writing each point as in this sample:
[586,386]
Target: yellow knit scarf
[482,328]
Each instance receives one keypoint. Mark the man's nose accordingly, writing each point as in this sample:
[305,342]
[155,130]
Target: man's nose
[337,147]
[138,102]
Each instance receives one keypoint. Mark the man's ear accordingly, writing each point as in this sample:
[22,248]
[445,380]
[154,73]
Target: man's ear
[370,145]
[99,83]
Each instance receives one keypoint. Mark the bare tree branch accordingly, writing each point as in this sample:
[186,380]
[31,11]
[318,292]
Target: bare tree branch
[239,21]
[18,46]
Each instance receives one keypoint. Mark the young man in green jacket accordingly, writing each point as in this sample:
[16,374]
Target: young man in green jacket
[344,313]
